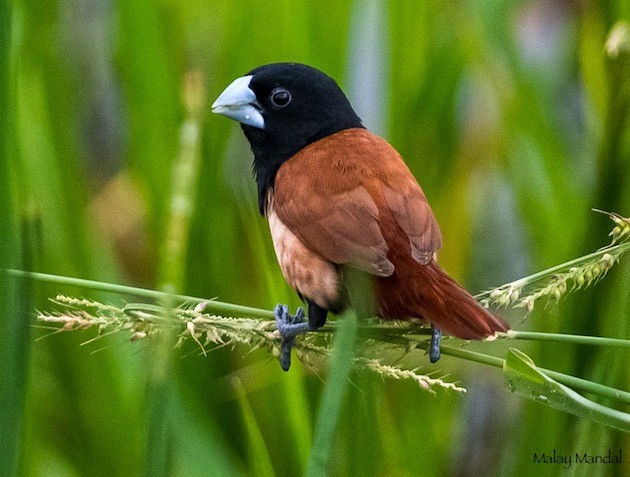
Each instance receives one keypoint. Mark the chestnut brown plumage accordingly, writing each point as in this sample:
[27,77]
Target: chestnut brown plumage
[337,196]
[367,211]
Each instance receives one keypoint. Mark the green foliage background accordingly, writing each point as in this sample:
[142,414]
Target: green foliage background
[511,115]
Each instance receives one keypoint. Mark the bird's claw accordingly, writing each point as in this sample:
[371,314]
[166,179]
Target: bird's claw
[284,319]
[434,345]
[289,327]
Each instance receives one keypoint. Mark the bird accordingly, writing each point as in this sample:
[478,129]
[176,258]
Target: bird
[339,200]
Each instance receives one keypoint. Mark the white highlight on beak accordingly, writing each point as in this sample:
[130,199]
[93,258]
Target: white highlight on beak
[239,102]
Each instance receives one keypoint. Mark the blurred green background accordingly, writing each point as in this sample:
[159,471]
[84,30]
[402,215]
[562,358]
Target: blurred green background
[513,116]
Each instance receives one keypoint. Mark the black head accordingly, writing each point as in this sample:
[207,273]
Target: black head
[282,108]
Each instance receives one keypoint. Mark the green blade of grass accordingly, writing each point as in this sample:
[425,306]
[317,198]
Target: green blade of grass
[171,275]
[11,378]
[17,348]
[158,451]
[15,296]
[260,460]
[202,445]
[529,381]
[340,366]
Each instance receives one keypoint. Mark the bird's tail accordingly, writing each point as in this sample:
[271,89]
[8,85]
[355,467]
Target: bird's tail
[440,300]
[455,311]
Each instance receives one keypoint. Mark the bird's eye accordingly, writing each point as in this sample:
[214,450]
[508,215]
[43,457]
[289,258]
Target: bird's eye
[280,97]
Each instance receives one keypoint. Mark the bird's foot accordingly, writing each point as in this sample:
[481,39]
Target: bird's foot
[434,346]
[289,327]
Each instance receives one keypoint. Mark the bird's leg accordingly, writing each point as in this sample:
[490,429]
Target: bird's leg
[291,326]
[316,315]
[434,346]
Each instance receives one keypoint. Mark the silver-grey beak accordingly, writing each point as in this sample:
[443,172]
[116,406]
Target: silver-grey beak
[238,102]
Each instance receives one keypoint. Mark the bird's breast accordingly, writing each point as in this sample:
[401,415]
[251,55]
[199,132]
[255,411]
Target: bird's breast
[306,271]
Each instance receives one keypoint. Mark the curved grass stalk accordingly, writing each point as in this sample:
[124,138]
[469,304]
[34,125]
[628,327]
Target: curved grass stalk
[565,338]
[211,305]
[572,381]
[614,250]
[579,273]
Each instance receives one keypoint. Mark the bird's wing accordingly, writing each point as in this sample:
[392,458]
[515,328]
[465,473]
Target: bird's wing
[411,211]
[337,193]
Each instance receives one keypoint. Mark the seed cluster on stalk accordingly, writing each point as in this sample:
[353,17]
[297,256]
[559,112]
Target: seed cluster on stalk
[557,281]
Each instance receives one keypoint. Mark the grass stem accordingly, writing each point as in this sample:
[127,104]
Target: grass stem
[572,381]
